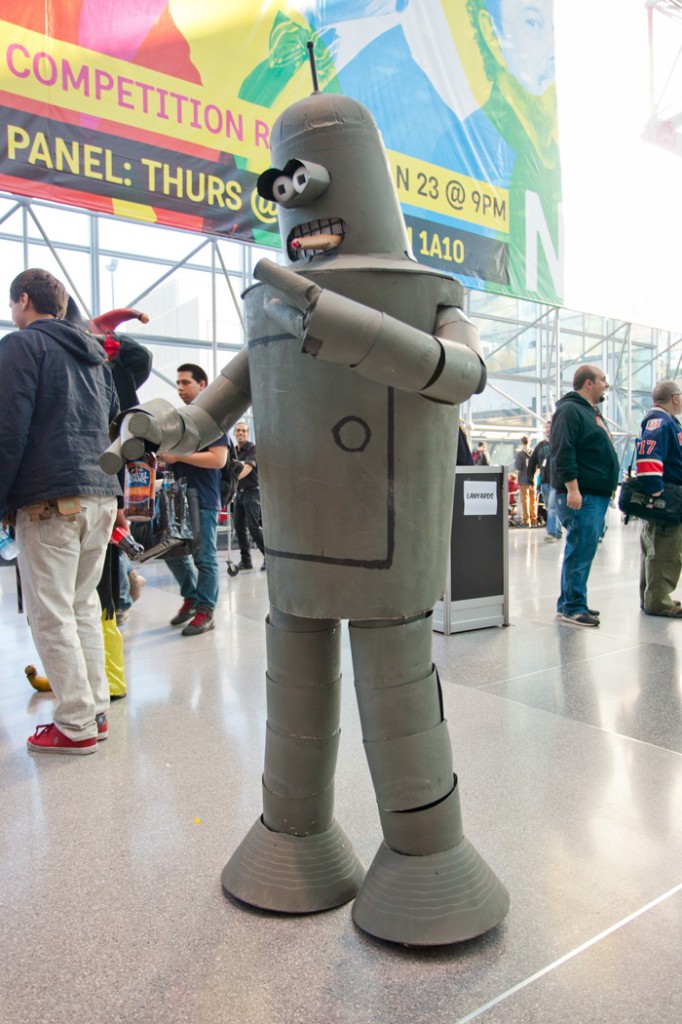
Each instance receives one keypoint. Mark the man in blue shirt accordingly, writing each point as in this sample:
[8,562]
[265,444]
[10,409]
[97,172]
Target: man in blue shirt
[198,574]
[659,462]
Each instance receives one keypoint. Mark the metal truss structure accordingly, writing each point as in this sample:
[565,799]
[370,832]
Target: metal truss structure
[190,285]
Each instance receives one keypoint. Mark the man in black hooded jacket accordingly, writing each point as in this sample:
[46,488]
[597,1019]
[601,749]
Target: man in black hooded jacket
[53,424]
[584,467]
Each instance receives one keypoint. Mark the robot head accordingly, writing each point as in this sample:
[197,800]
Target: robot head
[332,182]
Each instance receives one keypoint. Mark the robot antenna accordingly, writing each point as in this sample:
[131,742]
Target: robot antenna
[313,67]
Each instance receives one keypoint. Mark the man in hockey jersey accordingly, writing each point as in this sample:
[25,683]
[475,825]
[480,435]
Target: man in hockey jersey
[659,462]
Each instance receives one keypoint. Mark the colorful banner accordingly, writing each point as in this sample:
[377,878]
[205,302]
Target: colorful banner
[160,110]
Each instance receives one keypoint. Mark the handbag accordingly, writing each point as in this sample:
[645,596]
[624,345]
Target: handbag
[633,500]
[665,508]
[170,533]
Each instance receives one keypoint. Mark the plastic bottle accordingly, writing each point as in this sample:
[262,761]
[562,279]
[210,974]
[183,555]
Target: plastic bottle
[138,488]
[9,548]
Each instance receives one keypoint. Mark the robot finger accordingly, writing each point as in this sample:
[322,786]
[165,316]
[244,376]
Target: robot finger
[112,460]
[285,316]
[298,290]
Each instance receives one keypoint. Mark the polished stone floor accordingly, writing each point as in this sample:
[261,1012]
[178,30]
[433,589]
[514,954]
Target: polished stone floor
[568,746]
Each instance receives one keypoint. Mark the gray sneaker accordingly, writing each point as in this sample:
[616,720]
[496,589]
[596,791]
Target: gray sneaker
[201,623]
[581,619]
[185,613]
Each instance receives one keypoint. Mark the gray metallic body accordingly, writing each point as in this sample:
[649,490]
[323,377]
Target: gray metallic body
[355,367]
[357,516]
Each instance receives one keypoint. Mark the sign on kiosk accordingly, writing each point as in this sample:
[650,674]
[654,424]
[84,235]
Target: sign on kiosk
[480,498]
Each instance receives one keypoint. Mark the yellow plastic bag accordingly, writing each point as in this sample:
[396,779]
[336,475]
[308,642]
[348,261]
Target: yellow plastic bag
[114,665]
[113,657]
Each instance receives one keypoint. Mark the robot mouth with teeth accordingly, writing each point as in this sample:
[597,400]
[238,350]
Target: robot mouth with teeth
[314,238]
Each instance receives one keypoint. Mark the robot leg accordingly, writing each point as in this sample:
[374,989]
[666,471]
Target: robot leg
[296,858]
[427,884]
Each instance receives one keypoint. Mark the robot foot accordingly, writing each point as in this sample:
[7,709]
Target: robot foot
[293,874]
[430,900]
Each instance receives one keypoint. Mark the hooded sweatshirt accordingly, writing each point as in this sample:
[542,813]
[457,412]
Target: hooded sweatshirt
[581,448]
[58,402]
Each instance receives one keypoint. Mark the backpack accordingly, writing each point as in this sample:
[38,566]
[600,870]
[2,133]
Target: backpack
[228,475]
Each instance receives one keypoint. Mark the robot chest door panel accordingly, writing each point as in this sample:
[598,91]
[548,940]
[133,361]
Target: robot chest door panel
[325,458]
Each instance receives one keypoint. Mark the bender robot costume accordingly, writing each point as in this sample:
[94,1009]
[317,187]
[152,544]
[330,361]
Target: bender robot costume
[357,360]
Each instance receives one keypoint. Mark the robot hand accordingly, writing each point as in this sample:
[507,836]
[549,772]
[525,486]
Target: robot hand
[340,330]
[156,424]
[289,298]
[299,291]
[291,301]
[288,318]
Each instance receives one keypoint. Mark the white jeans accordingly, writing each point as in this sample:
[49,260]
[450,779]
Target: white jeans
[61,564]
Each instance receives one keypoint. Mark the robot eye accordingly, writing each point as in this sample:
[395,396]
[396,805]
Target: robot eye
[300,179]
[295,184]
[283,189]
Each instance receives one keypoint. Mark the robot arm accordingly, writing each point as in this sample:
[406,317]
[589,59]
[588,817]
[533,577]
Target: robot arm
[446,368]
[158,424]
[224,401]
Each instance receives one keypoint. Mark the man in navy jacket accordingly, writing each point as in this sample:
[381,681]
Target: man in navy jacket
[53,423]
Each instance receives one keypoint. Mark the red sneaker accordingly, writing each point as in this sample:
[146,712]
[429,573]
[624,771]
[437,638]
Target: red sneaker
[201,623]
[184,615]
[48,739]
[102,727]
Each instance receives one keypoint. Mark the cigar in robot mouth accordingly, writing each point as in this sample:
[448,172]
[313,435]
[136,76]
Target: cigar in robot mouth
[320,242]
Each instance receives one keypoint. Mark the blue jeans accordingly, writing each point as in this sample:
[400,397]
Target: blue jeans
[583,529]
[198,574]
[549,498]
[125,601]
